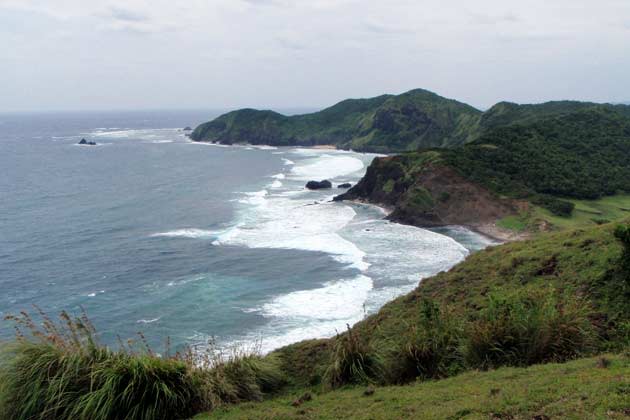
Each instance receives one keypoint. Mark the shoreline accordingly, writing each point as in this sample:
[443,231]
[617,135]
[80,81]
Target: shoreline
[488,230]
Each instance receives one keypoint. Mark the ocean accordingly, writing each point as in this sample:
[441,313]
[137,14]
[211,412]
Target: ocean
[150,232]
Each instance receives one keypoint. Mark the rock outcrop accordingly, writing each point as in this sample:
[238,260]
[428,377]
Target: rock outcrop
[318,185]
[434,195]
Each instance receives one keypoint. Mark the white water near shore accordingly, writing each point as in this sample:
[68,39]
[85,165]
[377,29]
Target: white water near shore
[384,259]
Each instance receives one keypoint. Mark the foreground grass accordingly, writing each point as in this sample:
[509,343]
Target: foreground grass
[579,389]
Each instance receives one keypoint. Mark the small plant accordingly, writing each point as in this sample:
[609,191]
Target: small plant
[353,361]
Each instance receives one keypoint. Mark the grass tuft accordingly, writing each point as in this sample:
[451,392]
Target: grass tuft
[353,361]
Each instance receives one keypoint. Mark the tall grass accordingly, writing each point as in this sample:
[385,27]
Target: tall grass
[430,349]
[56,369]
[514,328]
[529,327]
[353,361]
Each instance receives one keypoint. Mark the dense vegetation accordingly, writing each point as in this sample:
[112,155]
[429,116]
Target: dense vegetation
[549,162]
[386,123]
[579,155]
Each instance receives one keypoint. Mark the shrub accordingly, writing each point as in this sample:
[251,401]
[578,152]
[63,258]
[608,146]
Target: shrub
[353,360]
[529,327]
[430,348]
[554,205]
[622,232]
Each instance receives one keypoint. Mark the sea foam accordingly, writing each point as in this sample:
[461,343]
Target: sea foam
[186,233]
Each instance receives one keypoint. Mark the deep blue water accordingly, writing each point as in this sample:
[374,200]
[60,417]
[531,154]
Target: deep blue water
[150,232]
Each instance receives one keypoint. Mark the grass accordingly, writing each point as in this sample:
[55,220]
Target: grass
[578,389]
[57,370]
[585,213]
[516,223]
[588,212]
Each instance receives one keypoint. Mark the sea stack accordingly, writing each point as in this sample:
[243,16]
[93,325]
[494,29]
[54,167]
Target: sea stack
[318,185]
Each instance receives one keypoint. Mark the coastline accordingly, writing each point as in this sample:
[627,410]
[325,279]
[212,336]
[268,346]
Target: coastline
[488,230]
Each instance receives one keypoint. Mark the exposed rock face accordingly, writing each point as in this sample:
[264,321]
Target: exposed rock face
[344,185]
[318,185]
[87,143]
[434,195]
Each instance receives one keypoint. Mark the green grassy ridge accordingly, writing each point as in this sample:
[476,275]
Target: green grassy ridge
[574,390]
[585,262]
[414,119]
[410,121]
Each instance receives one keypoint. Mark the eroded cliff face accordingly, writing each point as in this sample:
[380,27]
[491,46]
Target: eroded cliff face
[428,193]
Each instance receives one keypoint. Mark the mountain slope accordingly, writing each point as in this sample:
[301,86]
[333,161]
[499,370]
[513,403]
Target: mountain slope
[386,123]
[581,155]
[411,121]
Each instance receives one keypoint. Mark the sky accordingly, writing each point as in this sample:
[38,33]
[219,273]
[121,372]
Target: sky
[223,54]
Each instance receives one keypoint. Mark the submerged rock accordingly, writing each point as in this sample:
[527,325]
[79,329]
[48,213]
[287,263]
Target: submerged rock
[187,129]
[87,143]
[344,185]
[318,185]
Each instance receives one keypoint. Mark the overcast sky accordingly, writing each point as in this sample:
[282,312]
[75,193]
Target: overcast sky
[217,54]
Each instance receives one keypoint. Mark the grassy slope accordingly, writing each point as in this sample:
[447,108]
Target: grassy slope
[586,262]
[575,390]
[417,118]
[585,213]
[582,261]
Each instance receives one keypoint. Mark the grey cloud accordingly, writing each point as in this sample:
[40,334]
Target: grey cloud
[382,28]
[127,15]
[480,19]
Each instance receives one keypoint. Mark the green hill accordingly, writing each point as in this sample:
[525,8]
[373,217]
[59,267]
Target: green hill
[415,119]
[546,162]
